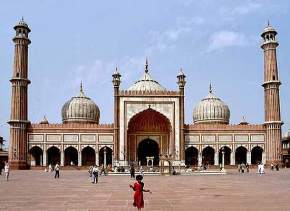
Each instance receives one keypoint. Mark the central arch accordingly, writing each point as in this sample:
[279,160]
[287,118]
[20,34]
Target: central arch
[148,148]
[148,128]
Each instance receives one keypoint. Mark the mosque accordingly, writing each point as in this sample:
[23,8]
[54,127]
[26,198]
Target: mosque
[149,123]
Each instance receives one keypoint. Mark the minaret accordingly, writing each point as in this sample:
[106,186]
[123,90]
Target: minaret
[181,83]
[271,95]
[116,83]
[19,115]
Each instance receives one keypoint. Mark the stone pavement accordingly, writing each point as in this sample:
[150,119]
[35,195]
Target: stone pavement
[37,190]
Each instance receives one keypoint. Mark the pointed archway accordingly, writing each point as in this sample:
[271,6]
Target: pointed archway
[256,155]
[35,156]
[53,155]
[208,156]
[148,148]
[88,156]
[148,125]
[241,155]
[70,156]
[109,153]
[227,155]
[191,156]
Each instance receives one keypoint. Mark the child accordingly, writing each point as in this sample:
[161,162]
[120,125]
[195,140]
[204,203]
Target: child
[138,187]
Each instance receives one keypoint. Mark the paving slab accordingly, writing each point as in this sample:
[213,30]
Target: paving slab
[38,190]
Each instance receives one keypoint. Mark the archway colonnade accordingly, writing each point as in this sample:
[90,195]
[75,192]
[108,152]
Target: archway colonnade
[210,156]
[70,156]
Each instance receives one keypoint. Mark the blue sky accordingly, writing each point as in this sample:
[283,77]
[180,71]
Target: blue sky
[213,41]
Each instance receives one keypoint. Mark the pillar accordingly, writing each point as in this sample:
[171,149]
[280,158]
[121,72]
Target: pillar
[44,159]
[80,158]
[199,159]
[97,157]
[233,158]
[61,157]
[249,157]
[216,158]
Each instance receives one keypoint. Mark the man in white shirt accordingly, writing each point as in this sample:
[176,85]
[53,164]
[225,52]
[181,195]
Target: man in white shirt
[56,169]
[7,170]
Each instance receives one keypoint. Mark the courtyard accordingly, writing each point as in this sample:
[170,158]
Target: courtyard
[38,190]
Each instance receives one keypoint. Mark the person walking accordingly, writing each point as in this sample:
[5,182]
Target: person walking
[95,174]
[141,171]
[7,170]
[138,187]
[132,171]
[49,168]
[56,169]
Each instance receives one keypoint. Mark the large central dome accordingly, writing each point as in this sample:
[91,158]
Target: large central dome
[211,109]
[146,83]
[80,109]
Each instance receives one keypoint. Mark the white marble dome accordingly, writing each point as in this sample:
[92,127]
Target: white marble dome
[211,109]
[80,109]
[146,83]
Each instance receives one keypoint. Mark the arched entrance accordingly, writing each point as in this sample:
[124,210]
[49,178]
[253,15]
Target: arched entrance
[35,156]
[70,156]
[241,155]
[227,154]
[88,156]
[191,156]
[208,156]
[149,127]
[109,153]
[148,148]
[256,155]
[53,155]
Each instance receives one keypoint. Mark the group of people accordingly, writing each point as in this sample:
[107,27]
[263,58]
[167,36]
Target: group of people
[6,170]
[242,168]
[94,173]
[55,168]
[275,166]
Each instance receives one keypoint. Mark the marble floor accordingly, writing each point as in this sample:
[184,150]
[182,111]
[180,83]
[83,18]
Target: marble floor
[38,190]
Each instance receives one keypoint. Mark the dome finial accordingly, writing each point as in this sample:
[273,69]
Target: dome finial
[81,87]
[210,88]
[268,23]
[146,65]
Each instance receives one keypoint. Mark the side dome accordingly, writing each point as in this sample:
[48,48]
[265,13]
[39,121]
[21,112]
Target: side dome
[80,109]
[146,83]
[211,109]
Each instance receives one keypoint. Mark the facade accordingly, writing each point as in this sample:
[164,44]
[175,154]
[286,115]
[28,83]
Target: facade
[148,123]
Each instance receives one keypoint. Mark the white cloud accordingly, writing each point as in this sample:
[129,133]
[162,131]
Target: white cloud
[99,72]
[243,9]
[165,40]
[224,39]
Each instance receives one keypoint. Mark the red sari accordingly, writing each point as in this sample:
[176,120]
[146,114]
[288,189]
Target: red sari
[138,195]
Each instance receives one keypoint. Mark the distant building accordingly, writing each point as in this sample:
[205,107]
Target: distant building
[148,123]
[286,149]
[3,152]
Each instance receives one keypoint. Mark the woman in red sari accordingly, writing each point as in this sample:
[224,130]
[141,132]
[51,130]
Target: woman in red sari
[138,187]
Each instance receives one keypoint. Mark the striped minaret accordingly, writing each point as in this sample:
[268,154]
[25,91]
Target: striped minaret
[19,114]
[271,96]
